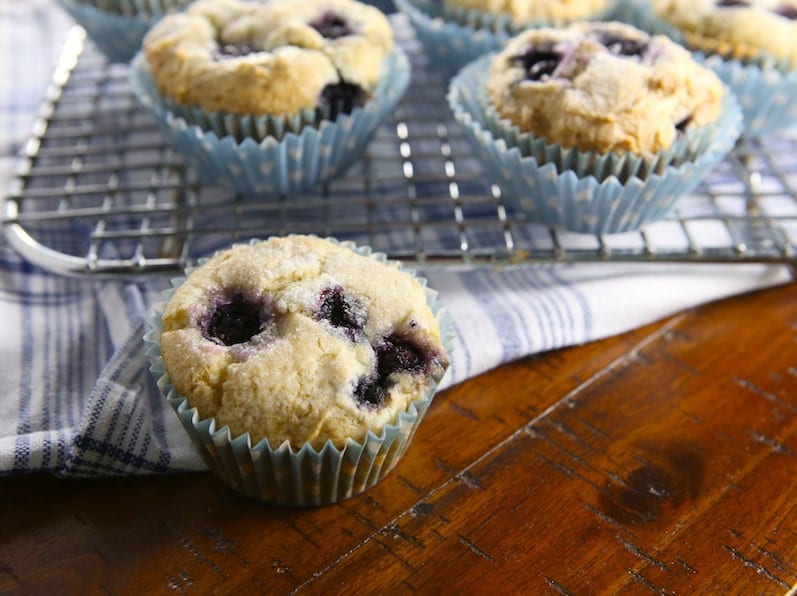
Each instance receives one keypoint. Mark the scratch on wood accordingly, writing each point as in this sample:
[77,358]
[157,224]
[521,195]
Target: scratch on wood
[416,489]
[441,465]
[606,519]
[475,549]
[594,429]
[568,432]
[393,531]
[361,518]
[194,551]
[765,394]
[757,567]
[776,446]
[7,569]
[425,509]
[222,545]
[280,568]
[557,586]
[693,417]
[288,519]
[179,583]
[100,554]
[408,586]
[373,503]
[639,578]
[463,411]
[689,569]
[635,550]
[779,564]
[469,480]
[387,549]
[569,472]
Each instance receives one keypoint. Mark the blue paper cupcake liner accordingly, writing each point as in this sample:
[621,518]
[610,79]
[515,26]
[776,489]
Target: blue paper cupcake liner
[453,38]
[603,196]
[117,27]
[228,148]
[280,474]
[765,87]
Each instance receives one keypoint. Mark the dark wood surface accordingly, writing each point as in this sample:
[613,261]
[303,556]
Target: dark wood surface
[661,461]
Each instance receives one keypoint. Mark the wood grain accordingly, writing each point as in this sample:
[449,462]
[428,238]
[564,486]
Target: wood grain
[662,460]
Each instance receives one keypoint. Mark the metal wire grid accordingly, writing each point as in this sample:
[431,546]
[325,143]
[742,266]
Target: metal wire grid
[98,192]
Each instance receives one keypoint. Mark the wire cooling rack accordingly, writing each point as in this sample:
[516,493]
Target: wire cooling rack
[99,193]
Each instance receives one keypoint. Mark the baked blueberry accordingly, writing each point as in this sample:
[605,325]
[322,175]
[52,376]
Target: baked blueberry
[342,97]
[233,51]
[732,3]
[331,26]
[236,319]
[786,11]
[394,354]
[539,61]
[622,46]
[341,312]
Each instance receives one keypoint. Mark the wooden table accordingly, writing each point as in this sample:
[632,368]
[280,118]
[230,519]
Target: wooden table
[663,460]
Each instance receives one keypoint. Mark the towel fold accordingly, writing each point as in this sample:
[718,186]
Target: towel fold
[77,399]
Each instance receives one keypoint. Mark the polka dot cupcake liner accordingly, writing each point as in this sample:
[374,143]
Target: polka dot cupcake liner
[765,87]
[117,27]
[302,476]
[584,191]
[452,38]
[272,155]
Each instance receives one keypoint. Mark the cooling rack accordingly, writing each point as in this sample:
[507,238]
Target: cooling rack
[98,193]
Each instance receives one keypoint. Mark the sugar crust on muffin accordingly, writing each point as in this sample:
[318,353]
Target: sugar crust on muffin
[277,57]
[300,339]
[736,29]
[602,87]
[530,11]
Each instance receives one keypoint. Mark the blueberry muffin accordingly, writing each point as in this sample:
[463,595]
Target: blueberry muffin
[746,30]
[603,87]
[276,57]
[273,97]
[524,12]
[301,340]
[596,128]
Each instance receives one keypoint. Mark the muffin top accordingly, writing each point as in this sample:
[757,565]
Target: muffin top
[268,58]
[737,29]
[602,87]
[522,12]
[300,339]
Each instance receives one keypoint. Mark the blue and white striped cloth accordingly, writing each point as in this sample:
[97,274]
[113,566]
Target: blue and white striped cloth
[76,398]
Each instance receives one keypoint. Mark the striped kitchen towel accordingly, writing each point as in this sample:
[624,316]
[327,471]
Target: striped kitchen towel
[77,398]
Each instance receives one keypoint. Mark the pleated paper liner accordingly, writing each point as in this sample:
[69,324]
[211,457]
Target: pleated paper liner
[586,191]
[270,155]
[301,475]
